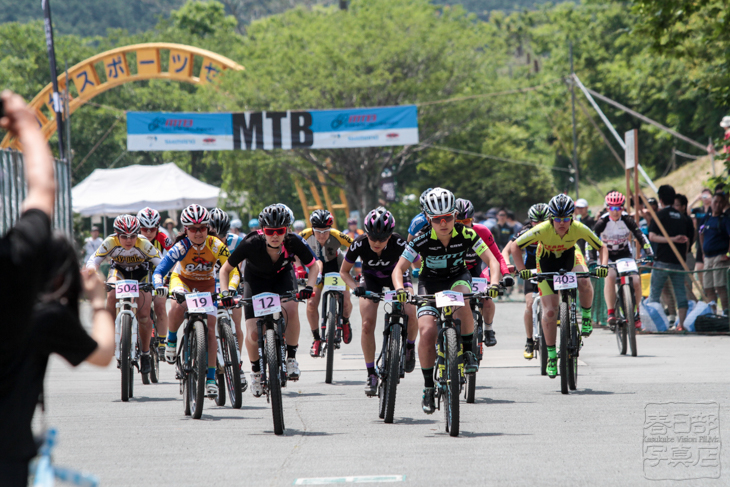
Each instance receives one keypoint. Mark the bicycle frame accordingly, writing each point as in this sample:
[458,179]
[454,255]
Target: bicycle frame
[340,303]
[275,322]
[223,313]
[396,315]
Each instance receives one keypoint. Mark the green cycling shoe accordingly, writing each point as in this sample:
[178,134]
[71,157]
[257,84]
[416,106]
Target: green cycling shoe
[552,367]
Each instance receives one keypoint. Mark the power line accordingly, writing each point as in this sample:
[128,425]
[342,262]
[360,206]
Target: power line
[496,158]
[485,95]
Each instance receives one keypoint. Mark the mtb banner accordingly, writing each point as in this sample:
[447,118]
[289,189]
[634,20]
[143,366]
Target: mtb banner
[293,129]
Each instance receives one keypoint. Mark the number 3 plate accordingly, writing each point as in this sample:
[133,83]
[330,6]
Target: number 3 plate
[266,304]
[449,298]
[333,282]
[566,281]
[127,289]
[200,303]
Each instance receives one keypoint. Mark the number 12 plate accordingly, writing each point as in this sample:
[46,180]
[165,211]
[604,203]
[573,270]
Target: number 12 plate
[566,281]
[200,303]
[265,304]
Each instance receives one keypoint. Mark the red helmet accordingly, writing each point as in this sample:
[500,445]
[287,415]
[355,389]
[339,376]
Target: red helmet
[194,215]
[126,225]
[614,198]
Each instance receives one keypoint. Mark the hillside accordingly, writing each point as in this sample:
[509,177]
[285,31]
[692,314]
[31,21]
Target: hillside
[94,17]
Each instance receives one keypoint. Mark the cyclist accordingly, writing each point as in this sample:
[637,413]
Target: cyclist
[149,221]
[379,250]
[192,261]
[220,222]
[253,224]
[325,241]
[443,246]
[353,232]
[557,250]
[614,229]
[131,257]
[537,213]
[269,256]
[465,216]
[419,221]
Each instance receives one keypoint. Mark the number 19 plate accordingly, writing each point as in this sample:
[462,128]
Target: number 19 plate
[566,281]
[200,303]
[265,304]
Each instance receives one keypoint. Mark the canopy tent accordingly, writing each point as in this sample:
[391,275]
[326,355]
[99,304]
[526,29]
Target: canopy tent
[110,192]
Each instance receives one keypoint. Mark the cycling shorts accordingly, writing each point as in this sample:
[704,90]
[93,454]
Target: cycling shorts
[568,260]
[180,284]
[433,286]
[139,274]
[530,287]
[376,284]
[280,283]
[476,271]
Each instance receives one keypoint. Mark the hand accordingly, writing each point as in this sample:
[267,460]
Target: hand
[401,295]
[680,239]
[179,296]
[161,291]
[415,273]
[305,293]
[226,298]
[493,291]
[508,281]
[359,291]
[18,117]
[94,288]
[601,271]
[526,274]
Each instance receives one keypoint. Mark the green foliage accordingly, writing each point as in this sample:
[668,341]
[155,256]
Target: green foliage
[203,18]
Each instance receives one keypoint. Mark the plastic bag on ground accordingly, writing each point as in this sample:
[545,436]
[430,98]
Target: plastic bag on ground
[701,308]
[646,322]
[657,315]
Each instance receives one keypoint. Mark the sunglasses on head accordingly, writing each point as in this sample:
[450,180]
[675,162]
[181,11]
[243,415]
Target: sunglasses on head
[615,208]
[562,220]
[442,218]
[200,229]
[275,231]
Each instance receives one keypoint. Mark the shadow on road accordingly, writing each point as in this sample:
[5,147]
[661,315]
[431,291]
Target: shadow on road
[591,392]
[307,394]
[150,399]
[409,421]
[486,400]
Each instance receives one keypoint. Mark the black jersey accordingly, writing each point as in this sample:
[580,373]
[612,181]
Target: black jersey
[380,266]
[616,235]
[530,251]
[439,261]
[253,250]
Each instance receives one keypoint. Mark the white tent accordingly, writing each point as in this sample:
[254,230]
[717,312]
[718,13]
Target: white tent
[110,192]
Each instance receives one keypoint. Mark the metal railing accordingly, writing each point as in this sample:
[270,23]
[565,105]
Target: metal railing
[13,189]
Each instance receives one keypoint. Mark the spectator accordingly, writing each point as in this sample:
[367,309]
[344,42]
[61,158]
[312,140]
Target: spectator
[54,328]
[715,241]
[236,226]
[503,231]
[698,216]
[92,243]
[299,225]
[581,214]
[680,204]
[169,228]
[253,224]
[680,234]
[516,226]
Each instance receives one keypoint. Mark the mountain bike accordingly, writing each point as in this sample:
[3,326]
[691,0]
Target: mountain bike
[449,370]
[191,361]
[331,328]
[43,471]
[538,337]
[228,370]
[271,326]
[126,332]
[626,270]
[392,358]
[566,284]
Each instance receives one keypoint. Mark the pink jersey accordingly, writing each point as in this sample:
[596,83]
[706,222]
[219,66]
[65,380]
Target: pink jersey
[487,238]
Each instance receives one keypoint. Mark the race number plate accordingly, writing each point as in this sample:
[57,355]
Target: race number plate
[566,281]
[389,297]
[449,298]
[626,265]
[333,282]
[266,304]
[200,303]
[127,289]
[479,284]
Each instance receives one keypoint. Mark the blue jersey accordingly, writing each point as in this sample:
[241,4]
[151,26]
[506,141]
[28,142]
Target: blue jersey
[418,222]
[232,241]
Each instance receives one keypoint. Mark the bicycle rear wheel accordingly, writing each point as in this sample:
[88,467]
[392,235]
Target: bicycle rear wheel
[199,368]
[393,369]
[125,356]
[453,382]
[331,331]
[628,300]
[621,323]
[564,342]
[274,378]
[231,369]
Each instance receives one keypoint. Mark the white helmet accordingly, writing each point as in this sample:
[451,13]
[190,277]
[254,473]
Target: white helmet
[194,215]
[148,218]
[439,201]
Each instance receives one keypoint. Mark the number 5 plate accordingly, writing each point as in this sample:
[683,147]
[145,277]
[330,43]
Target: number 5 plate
[479,284]
[566,281]
[127,289]
[200,303]
[266,304]
[333,282]
[626,265]
[449,298]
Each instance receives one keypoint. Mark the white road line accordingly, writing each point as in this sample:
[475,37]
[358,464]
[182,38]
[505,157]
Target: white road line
[371,479]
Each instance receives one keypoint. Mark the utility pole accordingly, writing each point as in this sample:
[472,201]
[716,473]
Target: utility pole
[343,4]
[55,97]
[575,133]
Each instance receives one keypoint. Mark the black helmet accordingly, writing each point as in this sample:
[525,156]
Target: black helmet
[274,216]
[464,209]
[321,219]
[561,206]
[379,224]
[220,221]
[538,212]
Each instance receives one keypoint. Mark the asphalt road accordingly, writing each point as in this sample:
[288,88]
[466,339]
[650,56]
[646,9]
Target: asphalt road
[521,431]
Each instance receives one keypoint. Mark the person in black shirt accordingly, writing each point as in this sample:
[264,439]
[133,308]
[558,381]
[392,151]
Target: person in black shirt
[681,235]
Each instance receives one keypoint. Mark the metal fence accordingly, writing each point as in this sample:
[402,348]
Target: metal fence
[13,189]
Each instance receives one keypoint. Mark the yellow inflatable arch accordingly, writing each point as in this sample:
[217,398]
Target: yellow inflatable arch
[123,65]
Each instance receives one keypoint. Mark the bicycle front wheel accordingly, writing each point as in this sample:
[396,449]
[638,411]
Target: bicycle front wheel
[331,332]
[125,356]
[393,369]
[628,299]
[453,382]
[573,356]
[154,355]
[198,370]
[540,344]
[564,343]
[231,368]
[272,361]
[621,323]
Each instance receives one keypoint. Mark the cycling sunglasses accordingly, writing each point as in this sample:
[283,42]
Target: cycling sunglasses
[562,220]
[275,231]
[465,221]
[443,218]
[129,236]
[200,229]
[615,208]
[318,230]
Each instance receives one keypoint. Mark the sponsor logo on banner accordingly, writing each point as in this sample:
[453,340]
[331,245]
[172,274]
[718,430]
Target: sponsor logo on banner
[363,137]
[209,140]
[393,135]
